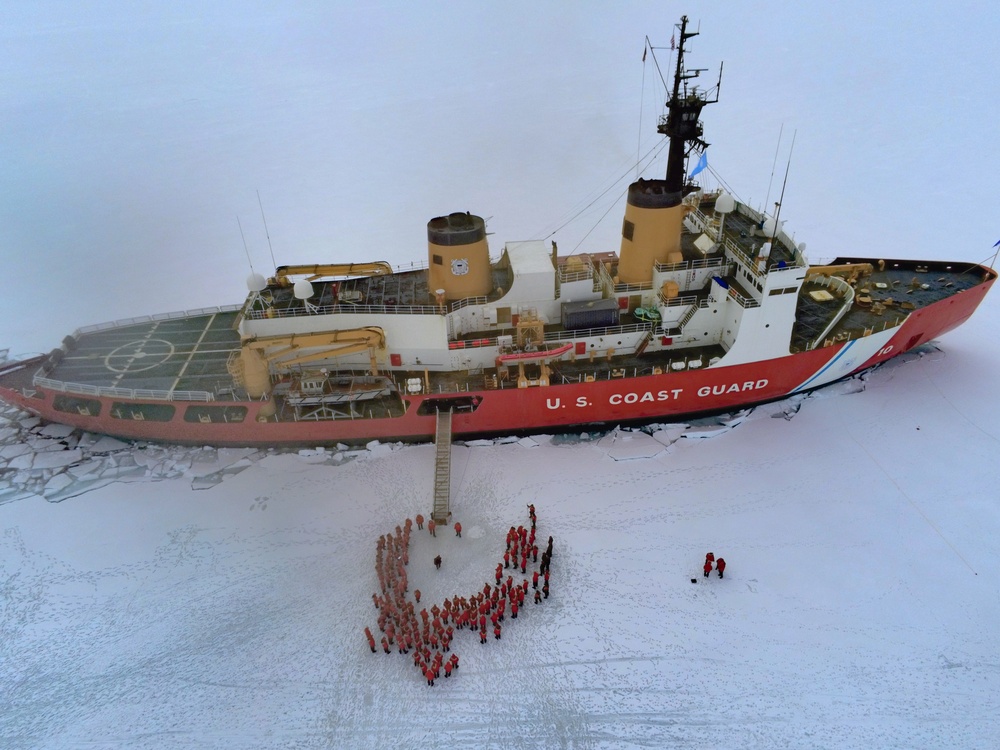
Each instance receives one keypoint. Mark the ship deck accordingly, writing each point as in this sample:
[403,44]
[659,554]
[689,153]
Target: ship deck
[882,299]
[180,354]
[186,353]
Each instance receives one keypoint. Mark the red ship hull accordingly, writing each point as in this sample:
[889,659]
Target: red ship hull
[664,397]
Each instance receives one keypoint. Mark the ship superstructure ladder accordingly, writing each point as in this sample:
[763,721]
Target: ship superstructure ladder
[442,468]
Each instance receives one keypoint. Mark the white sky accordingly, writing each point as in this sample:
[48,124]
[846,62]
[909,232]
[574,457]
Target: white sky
[134,135]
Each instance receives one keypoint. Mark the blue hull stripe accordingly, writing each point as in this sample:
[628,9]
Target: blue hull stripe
[828,366]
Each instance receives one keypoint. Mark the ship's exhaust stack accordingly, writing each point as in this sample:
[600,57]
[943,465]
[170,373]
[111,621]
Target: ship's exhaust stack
[459,258]
[651,233]
[256,373]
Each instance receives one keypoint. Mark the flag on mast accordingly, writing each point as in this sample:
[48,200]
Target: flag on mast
[702,164]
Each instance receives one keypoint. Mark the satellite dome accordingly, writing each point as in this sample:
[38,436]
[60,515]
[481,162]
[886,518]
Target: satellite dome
[771,227]
[724,203]
[302,289]
[256,282]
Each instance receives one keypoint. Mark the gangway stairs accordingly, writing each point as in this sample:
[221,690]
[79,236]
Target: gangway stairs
[442,468]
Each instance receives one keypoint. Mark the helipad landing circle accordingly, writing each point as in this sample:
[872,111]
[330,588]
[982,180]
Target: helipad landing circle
[139,356]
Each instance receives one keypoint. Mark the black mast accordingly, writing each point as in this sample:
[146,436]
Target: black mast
[681,124]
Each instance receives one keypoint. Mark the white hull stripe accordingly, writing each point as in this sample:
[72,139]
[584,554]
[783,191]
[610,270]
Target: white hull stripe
[828,365]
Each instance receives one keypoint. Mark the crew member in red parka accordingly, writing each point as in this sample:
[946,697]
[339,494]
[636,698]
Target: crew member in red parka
[720,565]
[708,567]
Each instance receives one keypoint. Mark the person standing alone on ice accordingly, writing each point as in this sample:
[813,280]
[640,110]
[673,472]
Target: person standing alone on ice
[431,526]
[458,529]
[720,566]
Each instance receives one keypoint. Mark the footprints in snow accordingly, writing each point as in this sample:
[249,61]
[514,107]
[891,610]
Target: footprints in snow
[259,502]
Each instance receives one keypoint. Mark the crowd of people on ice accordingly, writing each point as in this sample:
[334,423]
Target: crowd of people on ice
[429,635]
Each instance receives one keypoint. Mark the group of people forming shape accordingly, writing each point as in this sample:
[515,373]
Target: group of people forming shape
[430,636]
[720,564]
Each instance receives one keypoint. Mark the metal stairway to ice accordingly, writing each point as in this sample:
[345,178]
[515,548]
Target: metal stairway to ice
[442,468]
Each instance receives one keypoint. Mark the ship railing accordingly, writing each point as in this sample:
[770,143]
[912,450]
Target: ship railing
[850,335]
[341,309]
[627,288]
[423,265]
[690,264]
[704,223]
[566,276]
[472,343]
[697,302]
[602,279]
[131,394]
[742,257]
[784,265]
[467,301]
[153,318]
[677,301]
[755,268]
[742,300]
[608,331]
[839,288]
[409,267]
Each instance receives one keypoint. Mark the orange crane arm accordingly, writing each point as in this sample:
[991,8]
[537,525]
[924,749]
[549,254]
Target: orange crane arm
[284,352]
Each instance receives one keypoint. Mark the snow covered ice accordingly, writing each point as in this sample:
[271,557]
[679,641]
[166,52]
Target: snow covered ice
[157,597]
[857,610]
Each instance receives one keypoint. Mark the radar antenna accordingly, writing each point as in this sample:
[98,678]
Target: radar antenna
[681,123]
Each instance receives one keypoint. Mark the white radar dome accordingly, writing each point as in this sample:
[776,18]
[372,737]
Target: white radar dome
[771,227]
[302,289]
[724,203]
[256,282]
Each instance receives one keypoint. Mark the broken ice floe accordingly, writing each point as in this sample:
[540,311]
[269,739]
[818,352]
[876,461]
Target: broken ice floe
[57,462]
[56,430]
[626,445]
